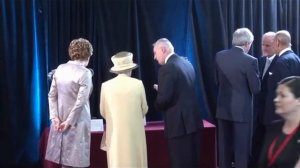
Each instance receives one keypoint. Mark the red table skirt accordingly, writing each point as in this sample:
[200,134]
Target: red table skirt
[156,147]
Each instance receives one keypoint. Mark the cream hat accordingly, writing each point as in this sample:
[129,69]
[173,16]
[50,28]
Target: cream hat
[122,61]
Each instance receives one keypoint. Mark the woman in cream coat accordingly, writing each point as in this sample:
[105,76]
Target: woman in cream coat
[69,137]
[123,105]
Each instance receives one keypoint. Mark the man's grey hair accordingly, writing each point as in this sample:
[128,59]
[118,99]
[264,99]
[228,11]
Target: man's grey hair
[242,36]
[269,34]
[164,42]
[283,37]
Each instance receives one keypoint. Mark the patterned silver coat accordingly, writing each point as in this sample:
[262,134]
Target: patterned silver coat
[69,101]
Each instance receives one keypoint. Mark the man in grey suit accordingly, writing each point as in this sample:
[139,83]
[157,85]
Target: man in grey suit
[237,80]
[176,97]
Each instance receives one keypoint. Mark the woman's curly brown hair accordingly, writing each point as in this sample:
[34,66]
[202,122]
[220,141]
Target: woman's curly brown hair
[80,49]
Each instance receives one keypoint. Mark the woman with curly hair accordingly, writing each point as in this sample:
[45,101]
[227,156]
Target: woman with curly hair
[69,108]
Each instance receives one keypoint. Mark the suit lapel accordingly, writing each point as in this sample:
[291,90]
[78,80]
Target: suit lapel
[261,62]
[272,63]
[270,67]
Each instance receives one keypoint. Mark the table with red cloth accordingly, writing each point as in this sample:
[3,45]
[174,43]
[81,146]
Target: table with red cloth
[156,147]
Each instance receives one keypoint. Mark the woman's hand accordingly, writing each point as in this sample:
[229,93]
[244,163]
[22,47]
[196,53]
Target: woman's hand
[64,126]
[55,123]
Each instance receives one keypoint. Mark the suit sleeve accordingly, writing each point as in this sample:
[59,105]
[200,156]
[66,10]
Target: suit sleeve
[253,77]
[144,104]
[102,102]
[166,83]
[83,95]
[216,75]
[52,99]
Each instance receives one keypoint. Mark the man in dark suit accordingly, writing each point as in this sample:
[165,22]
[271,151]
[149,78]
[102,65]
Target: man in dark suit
[176,96]
[264,63]
[287,64]
[237,80]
